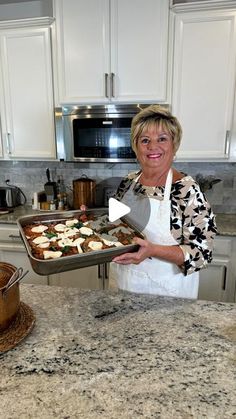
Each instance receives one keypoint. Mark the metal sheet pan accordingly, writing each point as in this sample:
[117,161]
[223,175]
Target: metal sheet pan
[68,263]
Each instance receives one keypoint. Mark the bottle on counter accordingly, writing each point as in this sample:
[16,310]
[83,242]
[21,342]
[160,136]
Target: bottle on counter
[60,201]
[62,195]
[52,205]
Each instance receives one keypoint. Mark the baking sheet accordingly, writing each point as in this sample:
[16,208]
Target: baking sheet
[81,260]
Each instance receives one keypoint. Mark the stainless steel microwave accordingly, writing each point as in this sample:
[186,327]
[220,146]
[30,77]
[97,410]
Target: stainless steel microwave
[99,133]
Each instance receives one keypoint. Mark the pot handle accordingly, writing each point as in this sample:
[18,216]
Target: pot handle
[15,279]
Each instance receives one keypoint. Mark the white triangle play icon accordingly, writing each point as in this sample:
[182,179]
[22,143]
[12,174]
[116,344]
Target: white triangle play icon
[117,210]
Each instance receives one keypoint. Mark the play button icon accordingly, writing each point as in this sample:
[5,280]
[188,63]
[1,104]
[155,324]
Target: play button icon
[117,210]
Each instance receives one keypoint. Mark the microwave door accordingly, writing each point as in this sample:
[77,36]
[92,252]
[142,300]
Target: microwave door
[102,139]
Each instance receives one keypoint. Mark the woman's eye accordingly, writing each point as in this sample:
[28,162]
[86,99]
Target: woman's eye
[144,140]
[162,139]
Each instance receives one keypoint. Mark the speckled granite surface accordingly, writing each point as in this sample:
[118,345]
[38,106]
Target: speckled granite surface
[102,354]
[226,223]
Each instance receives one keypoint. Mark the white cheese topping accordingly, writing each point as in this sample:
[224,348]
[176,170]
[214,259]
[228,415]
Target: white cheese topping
[70,223]
[78,242]
[95,245]
[108,242]
[43,245]
[39,229]
[49,254]
[86,231]
[60,227]
[65,242]
[70,232]
[108,239]
[40,240]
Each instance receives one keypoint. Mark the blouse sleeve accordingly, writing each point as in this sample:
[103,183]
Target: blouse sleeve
[198,230]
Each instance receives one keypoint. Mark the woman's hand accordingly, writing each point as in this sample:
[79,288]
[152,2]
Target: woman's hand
[83,207]
[173,254]
[145,251]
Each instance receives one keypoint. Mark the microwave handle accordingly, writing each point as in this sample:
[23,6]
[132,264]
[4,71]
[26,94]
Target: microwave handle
[106,85]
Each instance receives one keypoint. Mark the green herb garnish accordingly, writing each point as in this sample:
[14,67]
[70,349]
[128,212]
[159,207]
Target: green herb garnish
[50,235]
[65,249]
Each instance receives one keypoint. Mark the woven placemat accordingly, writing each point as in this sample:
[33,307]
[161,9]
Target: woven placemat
[18,329]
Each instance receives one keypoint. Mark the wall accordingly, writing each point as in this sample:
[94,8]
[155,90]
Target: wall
[31,176]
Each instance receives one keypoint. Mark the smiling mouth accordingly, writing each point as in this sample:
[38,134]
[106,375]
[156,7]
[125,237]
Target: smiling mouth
[154,156]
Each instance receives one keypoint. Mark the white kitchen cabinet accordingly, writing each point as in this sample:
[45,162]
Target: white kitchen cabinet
[218,280]
[111,50]
[1,147]
[204,69]
[90,277]
[26,103]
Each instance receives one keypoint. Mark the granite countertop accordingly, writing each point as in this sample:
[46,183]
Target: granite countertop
[226,223]
[107,354]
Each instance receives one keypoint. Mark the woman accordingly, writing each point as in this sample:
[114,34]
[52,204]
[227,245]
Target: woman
[180,230]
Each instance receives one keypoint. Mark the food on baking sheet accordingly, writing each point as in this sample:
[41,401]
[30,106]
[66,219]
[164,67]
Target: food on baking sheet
[86,233]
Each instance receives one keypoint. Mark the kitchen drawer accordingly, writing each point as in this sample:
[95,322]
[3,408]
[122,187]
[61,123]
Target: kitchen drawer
[222,246]
[9,233]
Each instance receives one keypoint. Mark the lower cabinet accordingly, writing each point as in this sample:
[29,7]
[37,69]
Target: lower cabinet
[218,280]
[18,257]
[92,277]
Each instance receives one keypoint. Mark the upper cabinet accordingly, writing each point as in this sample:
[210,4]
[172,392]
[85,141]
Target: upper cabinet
[26,102]
[112,50]
[204,70]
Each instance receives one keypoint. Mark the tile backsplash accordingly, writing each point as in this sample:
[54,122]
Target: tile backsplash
[30,176]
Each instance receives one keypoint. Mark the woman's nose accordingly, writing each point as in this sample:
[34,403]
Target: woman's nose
[152,144]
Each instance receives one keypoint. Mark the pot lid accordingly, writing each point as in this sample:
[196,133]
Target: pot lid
[84,178]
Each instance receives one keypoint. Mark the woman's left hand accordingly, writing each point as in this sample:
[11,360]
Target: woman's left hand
[145,251]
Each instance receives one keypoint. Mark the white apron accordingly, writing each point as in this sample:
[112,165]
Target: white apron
[155,276]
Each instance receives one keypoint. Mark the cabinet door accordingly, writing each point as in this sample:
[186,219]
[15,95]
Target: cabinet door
[19,258]
[83,49]
[28,93]
[203,82]
[1,136]
[1,147]
[214,281]
[86,278]
[139,39]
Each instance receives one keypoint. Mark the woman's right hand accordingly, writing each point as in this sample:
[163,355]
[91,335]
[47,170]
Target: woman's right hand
[83,207]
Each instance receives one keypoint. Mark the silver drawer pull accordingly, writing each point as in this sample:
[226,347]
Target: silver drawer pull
[14,236]
[227,136]
[224,277]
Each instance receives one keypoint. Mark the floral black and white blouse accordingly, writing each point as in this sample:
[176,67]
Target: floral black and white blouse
[192,222]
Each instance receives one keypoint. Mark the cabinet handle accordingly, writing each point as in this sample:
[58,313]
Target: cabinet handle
[106,84]
[227,135]
[9,143]
[113,84]
[224,277]
[99,272]
[14,236]
[106,270]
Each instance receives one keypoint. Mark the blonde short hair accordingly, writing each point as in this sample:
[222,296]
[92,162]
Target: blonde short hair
[157,115]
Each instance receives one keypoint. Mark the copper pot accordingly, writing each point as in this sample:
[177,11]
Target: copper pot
[9,293]
[84,192]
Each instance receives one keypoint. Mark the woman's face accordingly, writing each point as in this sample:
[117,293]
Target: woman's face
[155,148]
